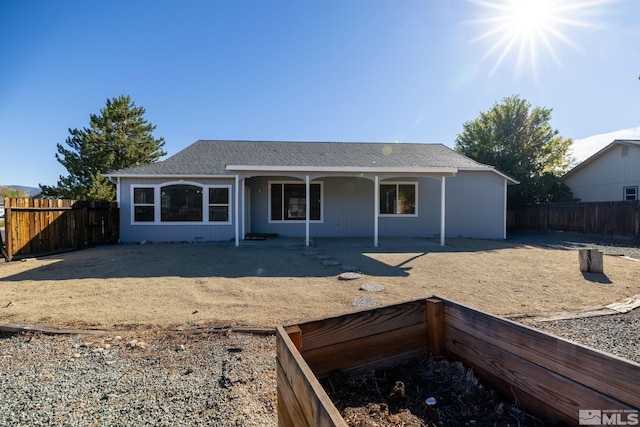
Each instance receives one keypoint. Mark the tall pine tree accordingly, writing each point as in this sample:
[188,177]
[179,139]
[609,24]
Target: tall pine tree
[120,137]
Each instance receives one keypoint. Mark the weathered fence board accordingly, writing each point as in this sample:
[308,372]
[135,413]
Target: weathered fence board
[42,226]
[364,340]
[301,399]
[542,370]
[619,219]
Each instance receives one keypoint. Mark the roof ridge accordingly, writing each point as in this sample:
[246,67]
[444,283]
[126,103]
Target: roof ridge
[315,142]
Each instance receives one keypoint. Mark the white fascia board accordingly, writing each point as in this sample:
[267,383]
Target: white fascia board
[350,169]
[510,179]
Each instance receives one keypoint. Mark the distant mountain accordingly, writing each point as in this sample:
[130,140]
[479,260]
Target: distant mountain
[29,190]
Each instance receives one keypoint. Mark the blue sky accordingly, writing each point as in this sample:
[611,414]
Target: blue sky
[345,70]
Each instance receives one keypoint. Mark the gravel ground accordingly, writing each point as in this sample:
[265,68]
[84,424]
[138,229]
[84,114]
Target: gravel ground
[214,379]
[617,334]
[144,379]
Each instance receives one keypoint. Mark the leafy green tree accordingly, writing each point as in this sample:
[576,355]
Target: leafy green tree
[120,137]
[518,140]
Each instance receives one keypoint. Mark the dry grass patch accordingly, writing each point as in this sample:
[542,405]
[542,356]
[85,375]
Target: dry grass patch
[203,284]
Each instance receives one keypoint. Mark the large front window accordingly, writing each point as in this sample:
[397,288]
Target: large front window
[289,202]
[398,199]
[181,202]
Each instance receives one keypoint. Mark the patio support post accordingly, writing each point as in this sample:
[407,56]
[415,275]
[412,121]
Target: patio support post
[376,203]
[237,210]
[442,210]
[504,235]
[243,233]
[307,208]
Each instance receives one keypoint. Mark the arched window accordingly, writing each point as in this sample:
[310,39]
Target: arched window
[181,202]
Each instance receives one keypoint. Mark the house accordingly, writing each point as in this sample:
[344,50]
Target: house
[224,190]
[611,174]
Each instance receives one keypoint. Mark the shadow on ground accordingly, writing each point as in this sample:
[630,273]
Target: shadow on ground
[270,258]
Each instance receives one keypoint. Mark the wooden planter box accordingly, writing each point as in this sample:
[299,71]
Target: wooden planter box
[551,378]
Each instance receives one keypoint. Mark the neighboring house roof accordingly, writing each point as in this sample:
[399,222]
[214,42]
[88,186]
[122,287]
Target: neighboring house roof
[207,158]
[592,158]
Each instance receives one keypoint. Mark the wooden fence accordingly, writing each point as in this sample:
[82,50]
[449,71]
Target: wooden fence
[619,219]
[38,226]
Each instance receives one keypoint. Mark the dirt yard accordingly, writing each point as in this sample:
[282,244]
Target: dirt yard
[264,284]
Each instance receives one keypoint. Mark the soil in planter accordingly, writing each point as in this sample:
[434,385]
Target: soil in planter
[421,392]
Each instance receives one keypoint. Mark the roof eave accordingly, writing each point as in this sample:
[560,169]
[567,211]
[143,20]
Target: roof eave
[510,180]
[167,175]
[346,169]
[599,153]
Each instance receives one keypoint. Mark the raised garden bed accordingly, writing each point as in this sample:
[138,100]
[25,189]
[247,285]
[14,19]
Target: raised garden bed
[544,376]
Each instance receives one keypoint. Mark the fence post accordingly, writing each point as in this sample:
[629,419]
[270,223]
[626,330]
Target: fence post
[8,225]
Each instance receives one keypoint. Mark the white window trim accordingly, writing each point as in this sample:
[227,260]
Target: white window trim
[158,204]
[294,221]
[209,204]
[397,183]
[134,204]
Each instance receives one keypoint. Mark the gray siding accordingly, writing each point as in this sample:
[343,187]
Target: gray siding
[604,179]
[474,208]
[169,232]
[475,205]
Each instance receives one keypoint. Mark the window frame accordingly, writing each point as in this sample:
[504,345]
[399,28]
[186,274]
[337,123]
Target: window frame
[135,205]
[157,194]
[163,209]
[397,184]
[293,221]
[635,192]
[210,205]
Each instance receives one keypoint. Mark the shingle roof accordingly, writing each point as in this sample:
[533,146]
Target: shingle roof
[212,157]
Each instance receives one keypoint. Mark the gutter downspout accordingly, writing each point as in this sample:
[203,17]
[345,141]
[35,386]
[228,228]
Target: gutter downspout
[505,210]
[376,213]
[237,211]
[244,208]
[307,208]
[442,210]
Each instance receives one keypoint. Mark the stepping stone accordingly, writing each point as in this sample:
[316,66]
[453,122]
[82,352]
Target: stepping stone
[365,302]
[372,287]
[349,268]
[348,276]
[331,262]
[323,257]
[310,253]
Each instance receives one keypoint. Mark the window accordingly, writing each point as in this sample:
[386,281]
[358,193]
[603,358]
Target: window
[219,204]
[143,205]
[630,193]
[181,202]
[398,199]
[289,202]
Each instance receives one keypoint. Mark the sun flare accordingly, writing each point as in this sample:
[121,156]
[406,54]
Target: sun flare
[529,28]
